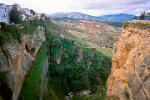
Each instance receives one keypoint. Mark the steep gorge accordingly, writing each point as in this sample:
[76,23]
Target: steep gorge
[130,74]
[16,58]
[36,62]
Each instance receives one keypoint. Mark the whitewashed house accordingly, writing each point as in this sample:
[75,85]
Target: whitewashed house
[25,12]
[4,13]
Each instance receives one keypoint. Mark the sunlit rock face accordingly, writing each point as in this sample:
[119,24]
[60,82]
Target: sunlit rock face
[130,75]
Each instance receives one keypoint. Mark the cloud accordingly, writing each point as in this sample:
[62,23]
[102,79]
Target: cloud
[92,7]
[120,6]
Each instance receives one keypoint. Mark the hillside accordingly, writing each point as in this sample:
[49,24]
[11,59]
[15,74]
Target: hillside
[97,33]
[123,17]
[73,66]
[34,55]
[74,55]
[117,17]
[72,15]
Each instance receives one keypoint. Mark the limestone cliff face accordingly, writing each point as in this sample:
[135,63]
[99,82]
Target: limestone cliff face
[130,75]
[16,58]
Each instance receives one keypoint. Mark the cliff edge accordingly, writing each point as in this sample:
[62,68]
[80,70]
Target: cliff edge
[16,57]
[130,74]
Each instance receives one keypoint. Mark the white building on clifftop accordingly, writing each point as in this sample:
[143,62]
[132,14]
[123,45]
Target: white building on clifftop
[25,12]
[4,13]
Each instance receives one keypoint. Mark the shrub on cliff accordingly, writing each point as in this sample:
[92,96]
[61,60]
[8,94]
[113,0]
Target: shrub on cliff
[142,16]
[15,15]
[9,33]
[125,24]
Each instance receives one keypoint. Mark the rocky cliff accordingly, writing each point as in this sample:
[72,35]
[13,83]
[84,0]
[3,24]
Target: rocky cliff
[16,58]
[130,74]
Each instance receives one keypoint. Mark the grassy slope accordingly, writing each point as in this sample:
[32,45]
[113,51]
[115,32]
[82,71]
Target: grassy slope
[100,66]
[30,90]
[31,87]
[105,51]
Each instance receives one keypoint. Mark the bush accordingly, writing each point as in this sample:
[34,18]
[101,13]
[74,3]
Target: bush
[71,75]
[31,25]
[9,33]
[50,93]
[31,87]
[125,24]
[15,15]
[142,16]
[5,91]
[94,88]
[32,11]
[126,93]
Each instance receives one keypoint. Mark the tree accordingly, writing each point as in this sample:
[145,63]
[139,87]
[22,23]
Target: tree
[142,16]
[135,17]
[2,25]
[15,15]
[148,14]
[32,11]
[43,15]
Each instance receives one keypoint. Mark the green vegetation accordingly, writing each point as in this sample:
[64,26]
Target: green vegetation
[15,15]
[32,11]
[95,96]
[126,93]
[125,25]
[87,44]
[5,91]
[9,33]
[50,93]
[31,87]
[75,72]
[142,16]
[30,26]
[142,26]
[116,24]
[148,14]
[139,25]
[72,74]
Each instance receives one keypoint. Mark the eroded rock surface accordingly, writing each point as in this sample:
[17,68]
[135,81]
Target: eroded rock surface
[16,58]
[130,75]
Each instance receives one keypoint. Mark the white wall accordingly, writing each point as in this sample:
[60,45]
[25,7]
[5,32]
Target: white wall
[4,13]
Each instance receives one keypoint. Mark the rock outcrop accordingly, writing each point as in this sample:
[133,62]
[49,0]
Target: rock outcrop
[16,58]
[130,75]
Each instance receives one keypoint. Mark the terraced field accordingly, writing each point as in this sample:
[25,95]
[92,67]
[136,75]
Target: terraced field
[96,32]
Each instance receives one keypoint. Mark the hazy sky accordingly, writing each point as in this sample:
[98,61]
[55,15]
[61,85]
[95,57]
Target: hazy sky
[92,7]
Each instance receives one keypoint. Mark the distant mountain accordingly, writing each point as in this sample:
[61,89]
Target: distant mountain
[117,17]
[110,18]
[73,15]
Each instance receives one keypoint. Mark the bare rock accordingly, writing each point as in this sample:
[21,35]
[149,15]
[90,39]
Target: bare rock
[131,65]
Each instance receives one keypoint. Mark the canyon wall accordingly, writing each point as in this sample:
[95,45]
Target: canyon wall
[130,74]
[16,58]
